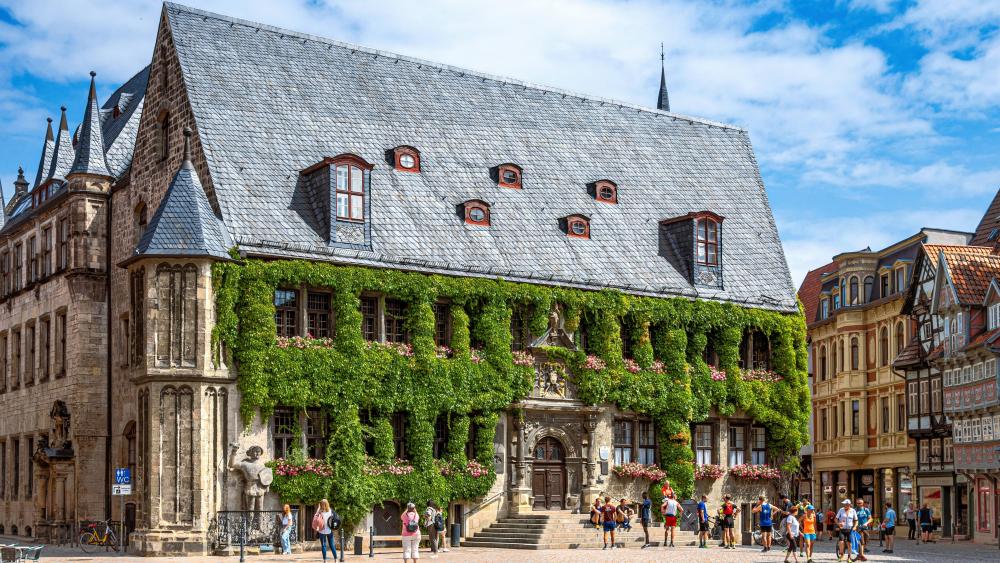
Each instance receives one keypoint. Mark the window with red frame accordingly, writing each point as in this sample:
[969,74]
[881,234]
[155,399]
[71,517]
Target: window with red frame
[407,159]
[477,213]
[350,192]
[606,192]
[578,227]
[509,176]
[708,242]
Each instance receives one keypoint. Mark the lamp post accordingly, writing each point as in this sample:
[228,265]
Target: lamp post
[243,536]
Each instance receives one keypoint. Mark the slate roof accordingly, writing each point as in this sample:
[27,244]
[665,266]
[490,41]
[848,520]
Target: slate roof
[90,142]
[119,133]
[184,224]
[811,287]
[62,158]
[269,102]
[48,149]
[971,268]
[910,356]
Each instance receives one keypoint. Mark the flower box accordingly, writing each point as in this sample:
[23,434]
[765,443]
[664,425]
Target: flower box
[749,472]
[640,471]
[708,472]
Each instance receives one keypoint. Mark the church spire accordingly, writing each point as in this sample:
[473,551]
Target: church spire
[90,144]
[48,148]
[663,101]
[62,158]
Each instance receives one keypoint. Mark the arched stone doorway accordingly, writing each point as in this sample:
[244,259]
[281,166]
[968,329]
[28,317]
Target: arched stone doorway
[548,477]
[387,519]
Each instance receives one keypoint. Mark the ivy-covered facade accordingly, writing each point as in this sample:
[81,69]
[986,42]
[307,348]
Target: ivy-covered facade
[392,281]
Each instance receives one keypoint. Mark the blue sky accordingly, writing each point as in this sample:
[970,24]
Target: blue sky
[870,118]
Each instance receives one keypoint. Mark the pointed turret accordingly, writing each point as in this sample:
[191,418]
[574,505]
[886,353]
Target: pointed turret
[90,143]
[48,149]
[184,224]
[20,185]
[62,159]
[663,101]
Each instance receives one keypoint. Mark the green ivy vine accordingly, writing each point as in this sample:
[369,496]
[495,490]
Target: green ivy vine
[667,379]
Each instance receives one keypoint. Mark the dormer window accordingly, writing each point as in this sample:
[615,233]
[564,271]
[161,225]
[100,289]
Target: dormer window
[605,191]
[707,229]
[509,176]
[406,159]
[577,226]
[476,212]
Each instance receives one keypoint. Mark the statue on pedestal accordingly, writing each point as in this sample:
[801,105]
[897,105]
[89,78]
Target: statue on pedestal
[257,477]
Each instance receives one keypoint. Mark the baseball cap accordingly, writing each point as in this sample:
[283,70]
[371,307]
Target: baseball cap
[810,507]
[846,501]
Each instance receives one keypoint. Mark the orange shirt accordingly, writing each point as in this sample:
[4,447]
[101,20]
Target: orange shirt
[809,524]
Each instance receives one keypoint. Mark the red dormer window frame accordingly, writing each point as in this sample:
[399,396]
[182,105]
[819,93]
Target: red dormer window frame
[574,220]
[606,191]
[707,237]
[406,150]
[352,162]
[477,204]
[503,171]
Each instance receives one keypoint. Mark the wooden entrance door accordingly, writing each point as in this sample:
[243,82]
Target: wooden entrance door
[548,479]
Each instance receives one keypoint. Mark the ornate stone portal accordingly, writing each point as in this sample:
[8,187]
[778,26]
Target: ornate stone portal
[54,466]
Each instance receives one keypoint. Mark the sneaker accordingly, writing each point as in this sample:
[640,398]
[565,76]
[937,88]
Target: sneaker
[445,550]
[763,550]
[605,546]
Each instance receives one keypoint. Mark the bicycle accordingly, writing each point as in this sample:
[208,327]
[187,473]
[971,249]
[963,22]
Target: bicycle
[777,537]
[91,538]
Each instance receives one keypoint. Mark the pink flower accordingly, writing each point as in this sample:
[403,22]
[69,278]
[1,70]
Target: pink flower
[522,358]
[595,363]
[708,471]
[717,375]
[639,471]
[475,355]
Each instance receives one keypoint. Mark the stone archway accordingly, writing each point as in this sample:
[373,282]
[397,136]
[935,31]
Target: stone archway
[548,474]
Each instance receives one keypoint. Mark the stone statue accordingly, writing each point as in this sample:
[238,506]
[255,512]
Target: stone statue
[257,477]
[60,425]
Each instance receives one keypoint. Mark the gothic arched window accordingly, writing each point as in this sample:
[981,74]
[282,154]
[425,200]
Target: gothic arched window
[177,315]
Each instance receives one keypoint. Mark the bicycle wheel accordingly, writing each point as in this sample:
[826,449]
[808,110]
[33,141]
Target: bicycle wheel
[112,540]
[779,538]
[757,538]
[89,542]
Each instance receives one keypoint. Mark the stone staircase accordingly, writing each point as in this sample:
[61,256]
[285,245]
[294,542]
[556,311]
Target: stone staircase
[563,530]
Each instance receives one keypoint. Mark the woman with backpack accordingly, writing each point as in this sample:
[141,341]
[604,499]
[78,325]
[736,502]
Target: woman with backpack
[432,519]
[324,522]
[411,534]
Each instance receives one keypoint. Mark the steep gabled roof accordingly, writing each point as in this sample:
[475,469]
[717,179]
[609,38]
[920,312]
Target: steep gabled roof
[48,149]
[184,224]
[90,143]
[62,158]
[292,99]
[812,286]
[970,269]
[988,230]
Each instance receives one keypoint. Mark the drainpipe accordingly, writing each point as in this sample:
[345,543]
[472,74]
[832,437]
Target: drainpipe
[108,349]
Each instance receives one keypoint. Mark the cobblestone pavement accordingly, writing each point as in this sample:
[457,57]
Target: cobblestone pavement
[906,551]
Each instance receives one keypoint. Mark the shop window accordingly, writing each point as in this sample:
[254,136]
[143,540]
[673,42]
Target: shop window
[283,431]
[286,312]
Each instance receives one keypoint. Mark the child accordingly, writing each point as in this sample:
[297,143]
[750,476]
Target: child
[792,527]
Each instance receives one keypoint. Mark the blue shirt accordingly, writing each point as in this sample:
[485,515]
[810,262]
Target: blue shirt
[890,518]
[644,515]
[702,512]
[765,514]
[863,516]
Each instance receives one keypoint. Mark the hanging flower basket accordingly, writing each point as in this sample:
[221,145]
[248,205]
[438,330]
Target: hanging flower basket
[640,471]
[749,472]
[708,472]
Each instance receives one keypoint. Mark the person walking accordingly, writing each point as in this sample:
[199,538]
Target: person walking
[864,519]
[926,517]
[608,513]
[286,530]
[430,515]
[766,524]
[729,512]
[703,522]
[830,523]
[910,514]
[410,534]
[808,521]
[671,509]
[847,523]
[326,531]
[792,533]
[645,517]
[889,528]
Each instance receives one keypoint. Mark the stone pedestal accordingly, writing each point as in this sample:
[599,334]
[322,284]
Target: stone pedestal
[162,543]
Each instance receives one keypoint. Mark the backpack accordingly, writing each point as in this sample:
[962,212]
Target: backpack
[439,522]
[412,524]
[333,522]
[727,509]
[317,522]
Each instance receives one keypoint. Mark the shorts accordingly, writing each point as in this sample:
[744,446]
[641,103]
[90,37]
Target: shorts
[926,526]
[845,535]
[810,537]
[609,526]
[411,547]
[793,544]
[670,521]
[889,531]
[727,522]
[766,529]
[702,526]
[644,521]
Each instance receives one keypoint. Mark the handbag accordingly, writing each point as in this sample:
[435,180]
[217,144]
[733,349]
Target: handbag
[317,522]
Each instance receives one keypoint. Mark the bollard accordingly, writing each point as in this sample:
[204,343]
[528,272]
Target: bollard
[371,542]
[456,535]
[341,545]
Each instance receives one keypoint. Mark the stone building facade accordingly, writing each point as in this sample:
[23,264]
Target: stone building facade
[209,172]
[856,330]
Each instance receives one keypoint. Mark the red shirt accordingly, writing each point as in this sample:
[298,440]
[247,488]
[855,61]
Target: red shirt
[609,513]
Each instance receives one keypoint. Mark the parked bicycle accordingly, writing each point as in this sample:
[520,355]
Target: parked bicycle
[99,534]
[777,537]
[715,528]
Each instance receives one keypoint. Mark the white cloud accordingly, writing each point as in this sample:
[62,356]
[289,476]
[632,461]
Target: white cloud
[880,6]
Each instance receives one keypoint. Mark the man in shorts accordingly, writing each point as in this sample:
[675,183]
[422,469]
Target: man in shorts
[609,512]
[847,522]
[766,524]
[864,519]
[645,517]
[671,510]
[703,522]
[729,512]
[889,528]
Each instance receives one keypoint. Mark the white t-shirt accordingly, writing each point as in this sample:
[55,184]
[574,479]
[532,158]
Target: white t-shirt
[793,526]
[326,522]
[846,517]
[670,507]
